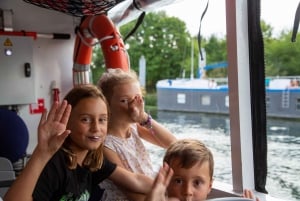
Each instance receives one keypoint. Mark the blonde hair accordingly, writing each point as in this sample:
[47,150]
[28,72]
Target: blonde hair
[94,158]
[189,152]
[113,77]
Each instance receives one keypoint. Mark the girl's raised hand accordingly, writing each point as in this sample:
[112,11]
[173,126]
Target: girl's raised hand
[52,127]
[136,109]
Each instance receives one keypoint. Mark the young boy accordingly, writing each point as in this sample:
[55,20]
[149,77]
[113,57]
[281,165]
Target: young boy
[192,164]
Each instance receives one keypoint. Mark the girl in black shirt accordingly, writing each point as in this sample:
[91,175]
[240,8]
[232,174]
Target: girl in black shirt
[68,159]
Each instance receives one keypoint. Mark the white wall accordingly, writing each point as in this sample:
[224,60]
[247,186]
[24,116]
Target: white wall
[52,58]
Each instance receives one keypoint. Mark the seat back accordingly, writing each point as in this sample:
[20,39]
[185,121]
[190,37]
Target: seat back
[7,175]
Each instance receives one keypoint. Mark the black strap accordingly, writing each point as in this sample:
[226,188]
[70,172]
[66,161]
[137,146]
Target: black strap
[199,33]
[296,24]
[258,95]
[6,183]
[138,23]
[136,5]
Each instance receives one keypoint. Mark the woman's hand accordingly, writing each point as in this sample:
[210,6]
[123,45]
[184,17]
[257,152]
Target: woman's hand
[52,128]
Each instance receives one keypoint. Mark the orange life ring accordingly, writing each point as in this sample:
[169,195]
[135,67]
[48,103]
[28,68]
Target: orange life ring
[98,28]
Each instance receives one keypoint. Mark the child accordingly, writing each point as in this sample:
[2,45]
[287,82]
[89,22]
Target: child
[68,159]
[128,124]
[161,182]
[193,165]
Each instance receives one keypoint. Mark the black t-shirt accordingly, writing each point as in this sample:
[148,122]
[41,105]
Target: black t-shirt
[58,183]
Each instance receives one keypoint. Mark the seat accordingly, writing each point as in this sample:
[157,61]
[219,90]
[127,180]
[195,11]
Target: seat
[7,175]
[14,135]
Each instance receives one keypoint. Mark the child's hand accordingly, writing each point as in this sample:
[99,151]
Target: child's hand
[161,182]
[136,109]
[249,194]
[52,128]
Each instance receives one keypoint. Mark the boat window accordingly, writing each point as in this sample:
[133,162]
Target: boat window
[181,98]
[298,104]
[267,102]
[227,101]
[205,100]
[276,182]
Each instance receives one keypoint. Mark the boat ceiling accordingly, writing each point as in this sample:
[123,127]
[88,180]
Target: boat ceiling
[49,16]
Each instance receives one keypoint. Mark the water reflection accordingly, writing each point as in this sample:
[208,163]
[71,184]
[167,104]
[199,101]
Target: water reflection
[214,130]
[206,121]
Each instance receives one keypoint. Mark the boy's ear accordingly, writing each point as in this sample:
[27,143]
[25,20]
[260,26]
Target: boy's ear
[210,186]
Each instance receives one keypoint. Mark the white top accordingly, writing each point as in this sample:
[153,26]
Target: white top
[134,157]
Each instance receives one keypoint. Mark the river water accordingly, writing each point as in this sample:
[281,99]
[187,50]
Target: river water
[283,137]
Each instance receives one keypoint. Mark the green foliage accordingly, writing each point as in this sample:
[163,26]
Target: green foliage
[97,66]
[150,99]
[282,56]
[215,52]
[150,103]
[266,29]
[166,45]
[163,41]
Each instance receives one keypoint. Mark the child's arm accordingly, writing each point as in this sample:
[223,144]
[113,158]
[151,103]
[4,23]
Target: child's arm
[151,130]
[134,182]
[114,157]
[51,134]
[158,134]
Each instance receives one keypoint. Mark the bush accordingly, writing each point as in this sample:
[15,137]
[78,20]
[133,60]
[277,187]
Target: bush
[150,99]
[150,104]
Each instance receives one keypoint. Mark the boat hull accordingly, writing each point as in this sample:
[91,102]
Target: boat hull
[193,100]
[281,103]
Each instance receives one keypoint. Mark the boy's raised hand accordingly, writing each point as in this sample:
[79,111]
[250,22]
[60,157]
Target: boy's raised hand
[52,127]
[160,185]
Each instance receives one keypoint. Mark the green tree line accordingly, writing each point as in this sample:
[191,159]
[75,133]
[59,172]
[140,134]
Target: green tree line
[167,46]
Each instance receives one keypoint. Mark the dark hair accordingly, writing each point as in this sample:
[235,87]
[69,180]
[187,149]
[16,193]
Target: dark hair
[94,158]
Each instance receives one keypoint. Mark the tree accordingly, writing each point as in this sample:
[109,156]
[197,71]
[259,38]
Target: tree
[166,45]
[282,56]
[162,40]
[267,30]
[216,52]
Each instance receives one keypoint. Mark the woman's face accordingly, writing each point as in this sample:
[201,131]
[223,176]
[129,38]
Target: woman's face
[88,124]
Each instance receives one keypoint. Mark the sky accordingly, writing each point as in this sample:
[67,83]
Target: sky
[278,13]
